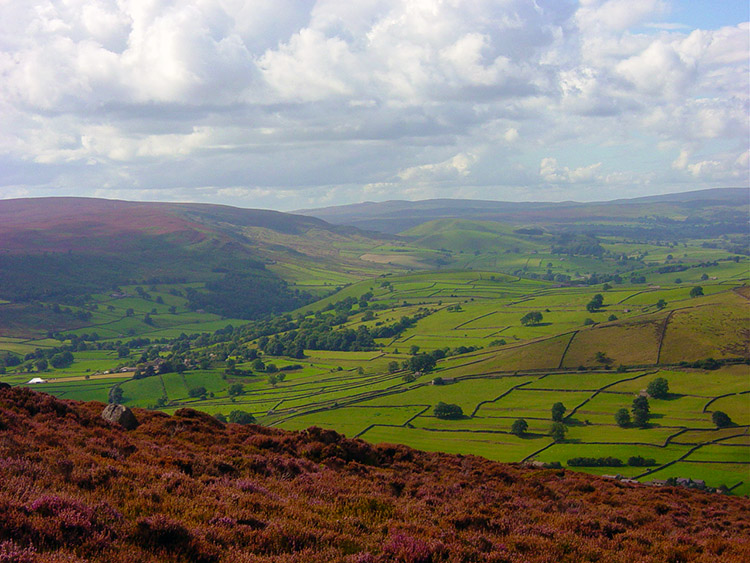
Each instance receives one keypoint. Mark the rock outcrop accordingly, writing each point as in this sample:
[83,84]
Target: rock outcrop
[120,414]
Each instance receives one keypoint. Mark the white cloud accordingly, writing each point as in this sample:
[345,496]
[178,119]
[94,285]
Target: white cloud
[552,173]
[285,97]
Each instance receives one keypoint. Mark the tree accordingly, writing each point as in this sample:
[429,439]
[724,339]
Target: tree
[123,352]
[220,417]
[658,388]
[660,304]
[393,367]
[520,426]
[531,318]
[595,304]
[236,389]
[448,411]
[558,431]
[241,417]
[622,417]
[721,419]
[413,350]
[273,380]
[640,411]
[41,365]
[696,291]
[558,410]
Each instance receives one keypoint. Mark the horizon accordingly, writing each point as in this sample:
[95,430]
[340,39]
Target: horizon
[299,105]
[386,201]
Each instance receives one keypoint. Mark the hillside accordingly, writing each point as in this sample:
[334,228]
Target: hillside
[64,249]
[705,212]
[188,488]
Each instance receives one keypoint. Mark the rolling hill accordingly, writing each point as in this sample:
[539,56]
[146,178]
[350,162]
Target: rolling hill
[61,249]
[717,211]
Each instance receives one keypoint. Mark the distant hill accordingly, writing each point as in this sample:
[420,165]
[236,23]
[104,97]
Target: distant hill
[188,488]
[60,249]
[723,210]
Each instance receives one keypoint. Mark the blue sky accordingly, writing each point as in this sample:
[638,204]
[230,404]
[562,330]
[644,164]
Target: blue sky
[704,14]
[290,104]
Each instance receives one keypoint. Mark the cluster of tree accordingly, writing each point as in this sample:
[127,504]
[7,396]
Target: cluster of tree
[318,333]
[199,392]
[40,359]
[236,417]
[707,364]
[640,461]
[595,462]
[246,294]
[577,245]
[448,411]
[633,461]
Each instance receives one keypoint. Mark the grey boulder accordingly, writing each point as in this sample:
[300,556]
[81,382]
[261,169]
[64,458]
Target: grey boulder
[120,414]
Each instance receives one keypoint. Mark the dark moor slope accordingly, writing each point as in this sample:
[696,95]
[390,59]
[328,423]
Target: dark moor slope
[187,488]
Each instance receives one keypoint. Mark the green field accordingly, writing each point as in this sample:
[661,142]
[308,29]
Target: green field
[594,362]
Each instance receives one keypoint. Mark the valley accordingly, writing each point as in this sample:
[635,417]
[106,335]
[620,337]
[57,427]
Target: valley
[374,331]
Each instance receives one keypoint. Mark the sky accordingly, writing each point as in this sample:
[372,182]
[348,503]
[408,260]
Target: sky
[290,104]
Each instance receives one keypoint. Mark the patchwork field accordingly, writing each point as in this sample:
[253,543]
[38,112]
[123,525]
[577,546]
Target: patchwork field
[492,365]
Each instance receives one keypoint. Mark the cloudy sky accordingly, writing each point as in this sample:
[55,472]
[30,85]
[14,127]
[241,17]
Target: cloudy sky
[287,104]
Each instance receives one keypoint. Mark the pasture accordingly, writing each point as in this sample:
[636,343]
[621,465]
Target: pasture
[516,370]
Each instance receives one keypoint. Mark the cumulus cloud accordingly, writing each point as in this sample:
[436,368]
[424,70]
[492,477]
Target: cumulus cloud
[281,102]
[552,173]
